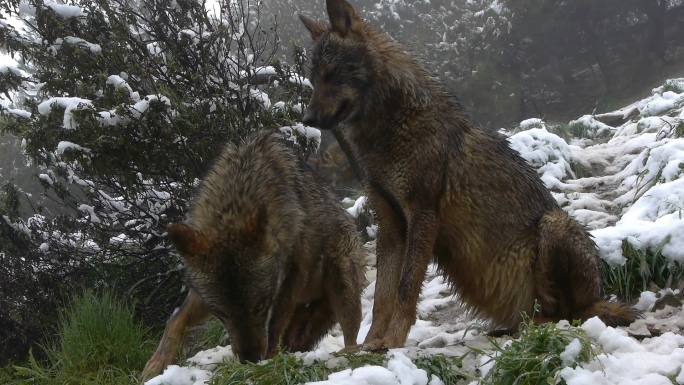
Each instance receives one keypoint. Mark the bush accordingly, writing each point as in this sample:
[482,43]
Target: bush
[98,341]
[642,270]
[125,104]
[288,369]
[535,358]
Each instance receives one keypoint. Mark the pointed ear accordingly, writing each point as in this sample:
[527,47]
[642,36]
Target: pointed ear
[343,17]
[187,240]
[315,28]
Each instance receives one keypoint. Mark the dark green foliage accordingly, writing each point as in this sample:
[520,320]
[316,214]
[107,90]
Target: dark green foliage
[534,358]
[642,270]
[190,83]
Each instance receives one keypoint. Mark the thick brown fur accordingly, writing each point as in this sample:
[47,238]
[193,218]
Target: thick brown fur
[444,188]
[269,252]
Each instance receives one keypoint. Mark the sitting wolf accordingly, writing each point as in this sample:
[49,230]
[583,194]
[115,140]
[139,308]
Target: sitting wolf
[444,188]
[269,252]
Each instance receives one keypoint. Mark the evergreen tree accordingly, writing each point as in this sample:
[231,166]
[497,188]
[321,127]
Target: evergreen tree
[121,105]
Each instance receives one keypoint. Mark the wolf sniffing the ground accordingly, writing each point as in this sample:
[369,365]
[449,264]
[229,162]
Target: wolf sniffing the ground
[444,188]
[269,252]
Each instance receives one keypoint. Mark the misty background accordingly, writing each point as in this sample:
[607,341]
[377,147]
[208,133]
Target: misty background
[505,60]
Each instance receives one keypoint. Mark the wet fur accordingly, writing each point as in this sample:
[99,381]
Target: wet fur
[444,188]
[262,223]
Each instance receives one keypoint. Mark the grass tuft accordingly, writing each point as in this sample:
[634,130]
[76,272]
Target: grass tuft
[641,271]
[448,369]
[98,342]
[288,369]
[535,358]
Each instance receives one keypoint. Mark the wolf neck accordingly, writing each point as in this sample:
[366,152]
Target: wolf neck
[402,87]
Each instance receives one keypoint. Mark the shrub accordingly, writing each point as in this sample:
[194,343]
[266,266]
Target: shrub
[642,270]
[98,341]
[535,358]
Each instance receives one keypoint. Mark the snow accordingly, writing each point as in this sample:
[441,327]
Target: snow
[631,186]
[261,97]
[571,352]
[75,42]
[547,152]
[64,146]
[358,207]
[646,301]
[119,82]
[9,68]
[143,105]
[63,10]
[69,104]
[311,134]
[46,178]
[400,371]
[176,375]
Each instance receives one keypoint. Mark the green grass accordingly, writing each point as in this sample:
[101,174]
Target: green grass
[642,270]
[214,334]
[98,342]
[287,369]
[534,358]
[679,130]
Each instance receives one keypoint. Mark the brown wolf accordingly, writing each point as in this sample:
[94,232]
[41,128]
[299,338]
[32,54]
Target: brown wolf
[269,252]
[443,188]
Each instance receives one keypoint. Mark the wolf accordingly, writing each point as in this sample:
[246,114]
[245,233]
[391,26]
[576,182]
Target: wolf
[269,252]
[445,189]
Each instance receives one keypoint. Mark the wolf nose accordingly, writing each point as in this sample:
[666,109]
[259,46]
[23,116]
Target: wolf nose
[309,118]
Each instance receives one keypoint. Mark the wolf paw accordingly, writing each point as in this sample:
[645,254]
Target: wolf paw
[155,366]
[375,346]
[350,349]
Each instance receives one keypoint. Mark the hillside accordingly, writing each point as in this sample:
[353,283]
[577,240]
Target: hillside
[620,174]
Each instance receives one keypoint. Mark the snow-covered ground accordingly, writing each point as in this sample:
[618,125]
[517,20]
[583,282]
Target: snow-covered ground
[631,187]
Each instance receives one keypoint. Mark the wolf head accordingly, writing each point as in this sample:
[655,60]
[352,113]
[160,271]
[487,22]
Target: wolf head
[358,72]
[238,279]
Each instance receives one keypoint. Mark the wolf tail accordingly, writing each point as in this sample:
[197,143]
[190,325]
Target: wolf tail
[569,258]
[611,313]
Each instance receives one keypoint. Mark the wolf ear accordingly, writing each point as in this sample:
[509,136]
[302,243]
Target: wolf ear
[315,28]
[343,17]
[187,240]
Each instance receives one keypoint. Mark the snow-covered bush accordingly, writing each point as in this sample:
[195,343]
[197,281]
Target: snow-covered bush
[121,105]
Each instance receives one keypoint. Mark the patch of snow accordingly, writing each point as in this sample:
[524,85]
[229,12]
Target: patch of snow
[64,146]
[311,134]
[571,352]
[547,152]
[69,104]
[64,11]
[261,97]
[358,207]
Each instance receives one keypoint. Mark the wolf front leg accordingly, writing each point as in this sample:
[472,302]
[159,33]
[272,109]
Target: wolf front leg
[390,250]
[344,281]
[421,237]
[192,312]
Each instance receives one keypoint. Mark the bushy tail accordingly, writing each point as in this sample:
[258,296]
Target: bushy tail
[611,313]
[569,261]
